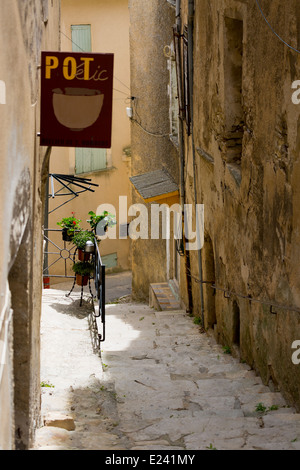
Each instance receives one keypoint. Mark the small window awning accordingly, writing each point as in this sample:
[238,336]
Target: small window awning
[156,186]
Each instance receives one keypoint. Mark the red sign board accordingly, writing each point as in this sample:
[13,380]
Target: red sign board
[76,99]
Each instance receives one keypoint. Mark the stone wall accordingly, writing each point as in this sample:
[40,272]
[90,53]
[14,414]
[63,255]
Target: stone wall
[150,31]
[246,142]
[26,28]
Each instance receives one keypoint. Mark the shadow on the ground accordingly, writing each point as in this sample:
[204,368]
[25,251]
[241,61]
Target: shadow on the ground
[73,308]
[97,423]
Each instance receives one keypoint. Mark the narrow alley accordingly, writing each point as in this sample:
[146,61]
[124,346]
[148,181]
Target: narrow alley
[150,226]
[160,384]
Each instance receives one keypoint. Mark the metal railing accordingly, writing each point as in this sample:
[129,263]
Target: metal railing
[99,279]
[62,254]
[68,255]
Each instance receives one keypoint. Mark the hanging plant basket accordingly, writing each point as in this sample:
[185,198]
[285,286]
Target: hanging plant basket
[69,226]
[83,271]
[82,280]
[65,236]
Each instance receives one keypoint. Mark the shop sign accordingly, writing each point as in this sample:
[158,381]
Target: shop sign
[76,99]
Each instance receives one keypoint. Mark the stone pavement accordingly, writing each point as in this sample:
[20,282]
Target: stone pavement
[159,385]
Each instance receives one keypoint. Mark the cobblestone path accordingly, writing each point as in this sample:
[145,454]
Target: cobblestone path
[159,384]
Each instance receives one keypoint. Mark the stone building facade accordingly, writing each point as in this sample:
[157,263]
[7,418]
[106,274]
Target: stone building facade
[244,143]
[26,28]
[238,70]
[151,37]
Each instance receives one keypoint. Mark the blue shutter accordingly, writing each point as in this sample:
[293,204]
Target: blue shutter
[89,159]
[81,38]
[110,261]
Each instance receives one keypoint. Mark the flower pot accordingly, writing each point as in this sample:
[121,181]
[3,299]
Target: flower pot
[82,256]
[65,236]
[82,280]
[46,281]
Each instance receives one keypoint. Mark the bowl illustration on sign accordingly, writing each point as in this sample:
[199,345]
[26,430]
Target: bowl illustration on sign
[77,108]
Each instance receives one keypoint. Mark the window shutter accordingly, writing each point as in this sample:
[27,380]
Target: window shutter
[89,159]
[110,261]
[174,100]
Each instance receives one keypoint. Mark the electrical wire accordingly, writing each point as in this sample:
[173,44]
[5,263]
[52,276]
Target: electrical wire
[148,132]
[154,134]
[273,31]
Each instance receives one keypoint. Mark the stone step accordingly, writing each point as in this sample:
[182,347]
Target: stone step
[162,297]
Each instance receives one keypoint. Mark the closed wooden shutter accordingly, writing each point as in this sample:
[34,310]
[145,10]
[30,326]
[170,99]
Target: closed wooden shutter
[174,111]
[110,261]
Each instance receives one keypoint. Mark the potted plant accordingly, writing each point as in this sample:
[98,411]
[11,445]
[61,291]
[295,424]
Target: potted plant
[83,270]
[69,226]
[80,240]
[107,219]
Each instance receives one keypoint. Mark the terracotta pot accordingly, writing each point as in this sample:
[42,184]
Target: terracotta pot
[82,256]
[82,280]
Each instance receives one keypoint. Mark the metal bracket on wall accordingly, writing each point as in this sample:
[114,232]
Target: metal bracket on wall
[69,186]
[227,294]
[272,311]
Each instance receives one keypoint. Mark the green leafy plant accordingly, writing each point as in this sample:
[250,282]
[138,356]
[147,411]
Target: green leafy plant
[71,224]
[197,321]
[82,237]
[95,219]
[83,268]
[46,384]
[211,447]
[273,408]
[261,408]
[226,350]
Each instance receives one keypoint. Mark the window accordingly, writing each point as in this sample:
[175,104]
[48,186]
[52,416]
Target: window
[110,261]
[89,159]
[173,95]
[86,159]
[81,38]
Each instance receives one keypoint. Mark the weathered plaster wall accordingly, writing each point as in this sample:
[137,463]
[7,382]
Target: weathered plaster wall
[150,31]
[25,28]
[251,201]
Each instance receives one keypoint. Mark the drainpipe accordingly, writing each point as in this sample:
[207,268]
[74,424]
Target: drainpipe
[191,7]
[182,155]
[45,174]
